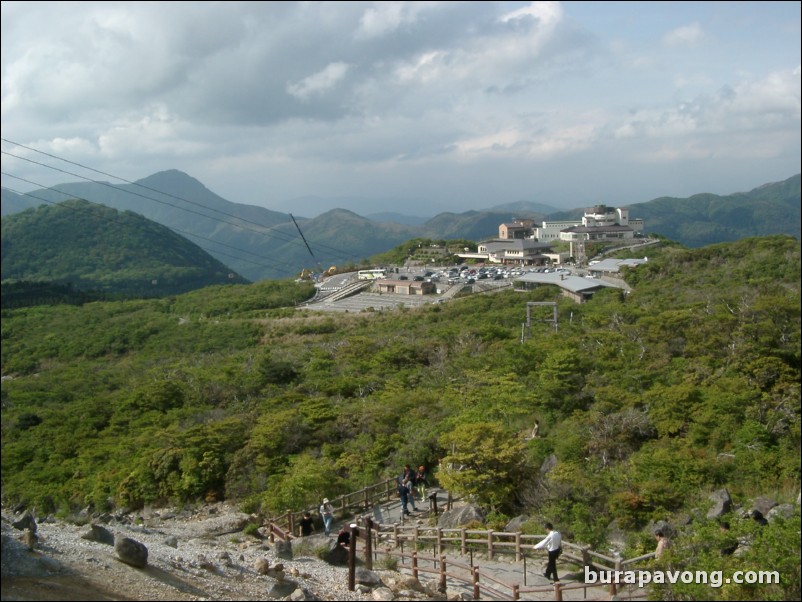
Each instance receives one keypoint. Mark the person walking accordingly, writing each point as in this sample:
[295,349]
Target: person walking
[421,482]
[553,544]
[327,514]
[662,544]
[306,524]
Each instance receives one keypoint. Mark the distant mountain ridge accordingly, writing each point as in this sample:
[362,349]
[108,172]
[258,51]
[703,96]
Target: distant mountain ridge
[263,244]
[97,248]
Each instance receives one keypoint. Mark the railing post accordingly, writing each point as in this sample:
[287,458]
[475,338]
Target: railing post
[476,593]
[450,501]
[270,536]
[396,535]
[613,585]
[464,545]
[415,564]
[516,593]
[490,544]
[352,559]
[439,540]
[369,543]
[433,503]
[558,592]
[290,521]
[442,587]
[517,546]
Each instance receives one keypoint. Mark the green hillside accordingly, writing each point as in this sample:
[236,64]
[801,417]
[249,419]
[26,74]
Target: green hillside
[705,219]
[95,248]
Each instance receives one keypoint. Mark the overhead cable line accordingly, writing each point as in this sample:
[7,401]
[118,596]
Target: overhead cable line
[336,252]
[177,230]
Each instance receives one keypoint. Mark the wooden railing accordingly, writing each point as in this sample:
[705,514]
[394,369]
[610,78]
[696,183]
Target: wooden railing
[284,526]
[482,582]
[394,537]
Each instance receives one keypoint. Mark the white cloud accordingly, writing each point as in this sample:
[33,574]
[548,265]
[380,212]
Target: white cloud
[547,13]
[320,82]
[687,35]
[385,17]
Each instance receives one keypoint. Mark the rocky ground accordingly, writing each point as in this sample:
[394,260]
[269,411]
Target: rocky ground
[201,555]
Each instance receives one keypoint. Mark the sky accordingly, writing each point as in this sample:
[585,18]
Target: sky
[409,107]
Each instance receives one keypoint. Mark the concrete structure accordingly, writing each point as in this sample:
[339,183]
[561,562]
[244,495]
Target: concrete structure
[405,287]
[611,267]
[574,287]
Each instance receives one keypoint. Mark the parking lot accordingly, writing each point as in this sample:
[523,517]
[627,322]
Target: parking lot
[448,285]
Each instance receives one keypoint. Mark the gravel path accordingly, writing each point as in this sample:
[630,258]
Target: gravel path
[202,556]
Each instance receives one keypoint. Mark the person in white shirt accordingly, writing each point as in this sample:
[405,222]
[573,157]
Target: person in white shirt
[553,543]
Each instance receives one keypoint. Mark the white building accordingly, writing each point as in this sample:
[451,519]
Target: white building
[599,223]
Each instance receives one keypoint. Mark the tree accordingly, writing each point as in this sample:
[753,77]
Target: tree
[485,460]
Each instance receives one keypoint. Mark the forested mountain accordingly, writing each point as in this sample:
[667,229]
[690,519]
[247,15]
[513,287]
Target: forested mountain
[705,219]
[96,248]
[260,244]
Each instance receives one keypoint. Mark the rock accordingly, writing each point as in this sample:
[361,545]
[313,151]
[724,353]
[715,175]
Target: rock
[461,516]
[763,505]
[382,594]
[410,584]
[261,566]
[26,521]
[283,549]
[171,541]
[722,504]
[367,577]
[784,510]
[515,524]
[282,590]
[548,464]
[130,551]
[99,534]
[337,556]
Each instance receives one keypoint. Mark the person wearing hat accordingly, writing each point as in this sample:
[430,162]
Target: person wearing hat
[327,514]
[421,481]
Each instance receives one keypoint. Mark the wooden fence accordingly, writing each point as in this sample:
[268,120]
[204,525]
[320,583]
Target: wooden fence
[284,526]
[482,581]
[405,543]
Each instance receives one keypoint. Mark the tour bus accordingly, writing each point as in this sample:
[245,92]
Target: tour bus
[371,274]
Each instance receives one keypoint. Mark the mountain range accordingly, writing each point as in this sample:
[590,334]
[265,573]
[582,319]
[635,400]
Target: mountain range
[262,244]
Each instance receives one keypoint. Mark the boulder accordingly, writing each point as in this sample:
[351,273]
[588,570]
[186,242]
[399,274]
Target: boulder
[26,521]
[367,577]
[99,534]
[515,524]
[261,566]
[283,549]
[548,464]
[461,516]
[763,505]
[786,511]
[132,552]
[722,504]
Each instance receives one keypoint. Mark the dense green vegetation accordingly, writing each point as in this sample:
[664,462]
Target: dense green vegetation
[646,401]
[80,246]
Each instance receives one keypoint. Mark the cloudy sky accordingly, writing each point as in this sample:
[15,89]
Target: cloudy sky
[416,107]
